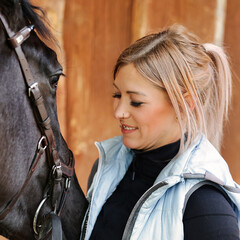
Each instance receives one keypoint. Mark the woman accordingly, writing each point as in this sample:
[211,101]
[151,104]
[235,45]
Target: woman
[164,178]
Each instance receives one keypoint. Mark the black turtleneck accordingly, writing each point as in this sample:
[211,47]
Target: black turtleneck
[140,176]
[149,164]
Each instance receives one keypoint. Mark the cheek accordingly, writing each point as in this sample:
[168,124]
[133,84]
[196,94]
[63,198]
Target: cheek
[160,117]
[147,121]
[115,105]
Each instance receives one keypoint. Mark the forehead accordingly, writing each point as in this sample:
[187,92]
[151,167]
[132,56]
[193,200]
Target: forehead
[129,79]
[128,74]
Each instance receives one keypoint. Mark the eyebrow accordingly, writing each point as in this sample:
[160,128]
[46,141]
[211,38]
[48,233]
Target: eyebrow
[131,92]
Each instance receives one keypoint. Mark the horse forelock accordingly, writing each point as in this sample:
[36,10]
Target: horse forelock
[21,12]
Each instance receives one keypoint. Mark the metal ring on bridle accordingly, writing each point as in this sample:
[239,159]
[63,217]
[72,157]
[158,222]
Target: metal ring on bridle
[42,144]
[36,215]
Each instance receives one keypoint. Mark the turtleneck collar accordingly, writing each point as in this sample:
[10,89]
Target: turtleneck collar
[148,164]
[166,152]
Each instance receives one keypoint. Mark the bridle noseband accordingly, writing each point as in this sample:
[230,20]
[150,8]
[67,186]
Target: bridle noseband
[61,174]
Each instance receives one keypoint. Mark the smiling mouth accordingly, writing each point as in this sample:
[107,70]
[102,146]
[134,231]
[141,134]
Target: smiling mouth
[127,128]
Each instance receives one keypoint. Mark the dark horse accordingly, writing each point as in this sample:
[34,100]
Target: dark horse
[36,170]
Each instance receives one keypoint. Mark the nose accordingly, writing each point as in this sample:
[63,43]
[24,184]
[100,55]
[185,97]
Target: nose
[120,111]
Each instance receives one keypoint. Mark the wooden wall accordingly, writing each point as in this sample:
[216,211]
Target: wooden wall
[231,147]
[93,33]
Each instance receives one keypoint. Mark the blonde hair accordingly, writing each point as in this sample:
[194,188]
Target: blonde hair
[175,61]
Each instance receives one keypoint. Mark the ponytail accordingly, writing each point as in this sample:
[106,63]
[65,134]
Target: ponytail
[218,94]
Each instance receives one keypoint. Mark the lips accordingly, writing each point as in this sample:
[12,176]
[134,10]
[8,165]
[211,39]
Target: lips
[127,129]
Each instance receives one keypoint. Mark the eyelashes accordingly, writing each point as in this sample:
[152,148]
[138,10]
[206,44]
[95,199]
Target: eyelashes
[132,103]
[136,104]
[116,95]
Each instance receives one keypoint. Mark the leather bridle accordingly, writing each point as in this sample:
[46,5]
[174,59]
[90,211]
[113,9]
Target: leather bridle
[61,174]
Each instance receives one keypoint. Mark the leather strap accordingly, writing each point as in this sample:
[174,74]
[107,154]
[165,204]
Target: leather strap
[10,205]
[56,227]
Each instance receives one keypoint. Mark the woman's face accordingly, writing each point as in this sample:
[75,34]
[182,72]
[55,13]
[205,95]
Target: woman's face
[146,115]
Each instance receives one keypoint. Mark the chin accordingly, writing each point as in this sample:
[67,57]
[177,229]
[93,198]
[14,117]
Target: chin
[130,144]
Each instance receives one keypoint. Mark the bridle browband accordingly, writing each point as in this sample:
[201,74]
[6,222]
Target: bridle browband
[61,174]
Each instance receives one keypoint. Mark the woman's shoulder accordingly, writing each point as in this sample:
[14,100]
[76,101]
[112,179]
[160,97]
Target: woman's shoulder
[209,214]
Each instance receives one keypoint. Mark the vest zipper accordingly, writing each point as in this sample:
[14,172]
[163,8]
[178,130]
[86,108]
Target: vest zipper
[133,216]
[85,225]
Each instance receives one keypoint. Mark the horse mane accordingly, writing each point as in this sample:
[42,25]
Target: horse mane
[14,10]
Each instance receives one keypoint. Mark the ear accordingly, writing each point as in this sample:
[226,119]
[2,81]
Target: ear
[189,99]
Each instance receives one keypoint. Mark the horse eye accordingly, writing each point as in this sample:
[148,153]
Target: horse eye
[54,80]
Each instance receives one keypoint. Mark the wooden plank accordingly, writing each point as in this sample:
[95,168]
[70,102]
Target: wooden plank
[94,34]
[197,15]
[231,148]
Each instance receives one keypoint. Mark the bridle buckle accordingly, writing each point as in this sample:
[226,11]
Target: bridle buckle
[31,88]
[21,36]
[67,183]
[57,172]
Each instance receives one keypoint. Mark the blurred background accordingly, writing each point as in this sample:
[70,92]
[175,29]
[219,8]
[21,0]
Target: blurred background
[91,36]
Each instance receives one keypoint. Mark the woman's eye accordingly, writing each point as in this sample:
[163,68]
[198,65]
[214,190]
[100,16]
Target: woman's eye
[116,95]
[136,104]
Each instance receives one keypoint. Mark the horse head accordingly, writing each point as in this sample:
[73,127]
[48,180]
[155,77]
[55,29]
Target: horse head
[36,164]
